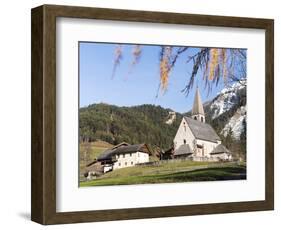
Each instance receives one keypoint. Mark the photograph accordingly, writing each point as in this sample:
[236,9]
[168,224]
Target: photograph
[171,112]
[151,114]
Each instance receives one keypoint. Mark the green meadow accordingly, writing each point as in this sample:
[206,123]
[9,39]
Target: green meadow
[171,172]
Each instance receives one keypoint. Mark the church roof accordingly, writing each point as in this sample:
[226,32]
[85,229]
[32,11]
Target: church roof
[197,104]
[220,149]
[202,131]
[183,149]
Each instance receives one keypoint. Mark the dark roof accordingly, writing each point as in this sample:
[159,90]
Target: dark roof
[220,149]
[201,130]
[119,145]
[91,163]
[183,149]
[128,149]
[107,154]
[96,166]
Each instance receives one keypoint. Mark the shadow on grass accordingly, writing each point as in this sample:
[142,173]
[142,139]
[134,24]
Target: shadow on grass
[208,174]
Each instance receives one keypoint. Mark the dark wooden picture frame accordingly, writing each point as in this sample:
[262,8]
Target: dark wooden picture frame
[43,170]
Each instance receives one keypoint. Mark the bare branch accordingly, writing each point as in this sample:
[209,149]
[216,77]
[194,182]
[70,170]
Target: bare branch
[197,62]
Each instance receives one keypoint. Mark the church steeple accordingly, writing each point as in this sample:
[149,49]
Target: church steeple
[197,109]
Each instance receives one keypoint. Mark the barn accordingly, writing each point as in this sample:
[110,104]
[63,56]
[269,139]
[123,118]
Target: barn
[121,156]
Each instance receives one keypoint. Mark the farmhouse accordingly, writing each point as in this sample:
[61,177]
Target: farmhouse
[121,156]
[196,139]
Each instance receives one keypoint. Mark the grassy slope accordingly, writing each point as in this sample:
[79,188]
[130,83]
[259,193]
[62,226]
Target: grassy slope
[171,172]
[96,148]
[93,149]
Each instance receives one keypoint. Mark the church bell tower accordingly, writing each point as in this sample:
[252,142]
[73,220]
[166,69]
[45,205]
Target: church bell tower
[197,109]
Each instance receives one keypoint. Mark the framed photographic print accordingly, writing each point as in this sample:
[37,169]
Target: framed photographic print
[140,114]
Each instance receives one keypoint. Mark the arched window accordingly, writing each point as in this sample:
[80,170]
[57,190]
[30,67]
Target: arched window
[202,119]
[195,118]
[184,141]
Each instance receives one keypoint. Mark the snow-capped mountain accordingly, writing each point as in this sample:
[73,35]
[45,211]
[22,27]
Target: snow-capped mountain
[227,99]
[227,111]
[236,124]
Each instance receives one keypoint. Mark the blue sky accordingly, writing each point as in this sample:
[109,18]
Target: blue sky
[138,87]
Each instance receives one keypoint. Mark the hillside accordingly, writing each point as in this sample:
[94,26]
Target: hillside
[157,126]
[227,113]
[137,124]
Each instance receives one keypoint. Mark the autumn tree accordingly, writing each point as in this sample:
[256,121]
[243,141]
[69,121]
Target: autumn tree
[214,64]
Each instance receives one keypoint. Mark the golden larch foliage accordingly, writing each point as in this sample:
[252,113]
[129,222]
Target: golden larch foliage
[164,74]
[223,62]
[213,63]
[117,58]
[165,68]
[118,53]
[136,53]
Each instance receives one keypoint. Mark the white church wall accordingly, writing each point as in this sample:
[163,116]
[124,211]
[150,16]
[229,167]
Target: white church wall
[207,146]
[183,133]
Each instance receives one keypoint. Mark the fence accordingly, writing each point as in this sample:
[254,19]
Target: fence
[154,163]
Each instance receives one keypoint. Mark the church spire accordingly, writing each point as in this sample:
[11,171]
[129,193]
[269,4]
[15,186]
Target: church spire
[197,109]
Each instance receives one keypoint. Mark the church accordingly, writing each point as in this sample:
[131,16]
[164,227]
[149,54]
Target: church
[197,140]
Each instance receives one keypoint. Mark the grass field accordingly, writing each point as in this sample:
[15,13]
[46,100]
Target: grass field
[172,172]
[89,151]
[94,149]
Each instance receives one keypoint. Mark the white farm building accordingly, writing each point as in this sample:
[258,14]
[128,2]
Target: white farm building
[198,140]
[120,156]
